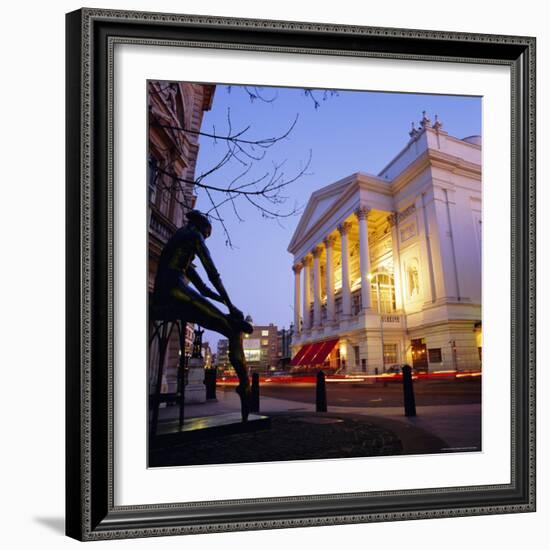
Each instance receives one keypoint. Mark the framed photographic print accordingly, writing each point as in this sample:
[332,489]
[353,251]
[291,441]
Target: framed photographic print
[300,274]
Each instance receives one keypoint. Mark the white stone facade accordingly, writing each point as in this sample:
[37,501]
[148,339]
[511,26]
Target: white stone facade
[393,262]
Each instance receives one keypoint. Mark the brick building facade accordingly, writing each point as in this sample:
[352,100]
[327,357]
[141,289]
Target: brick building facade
[176,111]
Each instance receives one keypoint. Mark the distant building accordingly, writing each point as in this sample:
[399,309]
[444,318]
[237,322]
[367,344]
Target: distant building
[284,347]
[387,267]
[222,357]
[261,349]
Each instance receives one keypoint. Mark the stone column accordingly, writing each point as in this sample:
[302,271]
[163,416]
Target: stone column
[306,262]
[343,228]
[297,268]
[393,220]
[329,246]
[317,285]
[364,256]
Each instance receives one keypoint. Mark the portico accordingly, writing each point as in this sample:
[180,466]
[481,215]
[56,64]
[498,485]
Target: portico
[333,278]
[336,288]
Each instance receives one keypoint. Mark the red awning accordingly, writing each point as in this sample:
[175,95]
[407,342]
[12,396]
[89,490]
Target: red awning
[310,354]
[313,354]
[324,350]
[301,352]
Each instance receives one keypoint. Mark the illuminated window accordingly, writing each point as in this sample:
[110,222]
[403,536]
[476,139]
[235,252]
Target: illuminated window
[382,286]
[265,342]
[356,354]
[390,354]
[252,354]
[265,332]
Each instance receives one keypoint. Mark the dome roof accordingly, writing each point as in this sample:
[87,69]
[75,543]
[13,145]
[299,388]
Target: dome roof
[475,140]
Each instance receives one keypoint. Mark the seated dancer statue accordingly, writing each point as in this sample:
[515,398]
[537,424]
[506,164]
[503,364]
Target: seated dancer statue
[176,298]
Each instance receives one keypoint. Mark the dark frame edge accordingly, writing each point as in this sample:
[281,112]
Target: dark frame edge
[525,258]
[73,292]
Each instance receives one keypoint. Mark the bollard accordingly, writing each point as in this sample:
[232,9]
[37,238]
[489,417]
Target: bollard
[408,391]
[321,393]
[255,393]
[210,383]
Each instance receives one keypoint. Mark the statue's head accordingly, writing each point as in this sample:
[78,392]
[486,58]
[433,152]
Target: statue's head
[201,222]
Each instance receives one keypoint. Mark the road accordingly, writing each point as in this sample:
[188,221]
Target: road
[361,394]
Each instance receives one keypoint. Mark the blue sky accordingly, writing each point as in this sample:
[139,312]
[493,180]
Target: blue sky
[350,131]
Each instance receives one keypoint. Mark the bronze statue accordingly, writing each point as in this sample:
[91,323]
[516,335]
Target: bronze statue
[197,344]
[175,297]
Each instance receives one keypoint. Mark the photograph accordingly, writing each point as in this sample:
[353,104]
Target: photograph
[314,273]
[300,273]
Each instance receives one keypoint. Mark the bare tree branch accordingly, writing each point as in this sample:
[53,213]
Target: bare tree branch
[234,138]
[264,192]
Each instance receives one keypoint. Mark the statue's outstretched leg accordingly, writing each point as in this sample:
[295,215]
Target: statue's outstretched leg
[237,359]
[194,308]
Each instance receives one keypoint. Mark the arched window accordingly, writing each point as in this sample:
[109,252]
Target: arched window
[383,289]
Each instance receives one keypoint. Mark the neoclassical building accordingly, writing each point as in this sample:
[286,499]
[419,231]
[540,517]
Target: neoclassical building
[387,267]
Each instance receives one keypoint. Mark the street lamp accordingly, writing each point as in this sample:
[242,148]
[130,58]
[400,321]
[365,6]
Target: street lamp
[370,277]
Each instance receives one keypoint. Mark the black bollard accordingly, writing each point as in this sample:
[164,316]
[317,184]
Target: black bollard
[255,393]
[408,391]
[321,393]
[210,383]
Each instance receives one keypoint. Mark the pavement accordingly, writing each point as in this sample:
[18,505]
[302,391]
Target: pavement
[457,427]
[290,436]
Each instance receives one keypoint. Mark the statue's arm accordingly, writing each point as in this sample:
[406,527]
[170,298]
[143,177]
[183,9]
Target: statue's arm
[199,284]
[214,277]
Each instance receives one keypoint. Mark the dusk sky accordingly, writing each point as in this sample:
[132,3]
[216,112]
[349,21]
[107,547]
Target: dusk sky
[351,131]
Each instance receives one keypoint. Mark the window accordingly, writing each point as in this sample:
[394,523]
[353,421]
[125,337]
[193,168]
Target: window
[265,332]
[382,286]
[251,343]
[390,354]
[252,354]
[265,342]
[153,174]
[434,355]
[356,302]
[356,353]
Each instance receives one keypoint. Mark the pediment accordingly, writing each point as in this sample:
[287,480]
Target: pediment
[318,204]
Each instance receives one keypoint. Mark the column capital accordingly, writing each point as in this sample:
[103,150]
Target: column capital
[362,212]
[329,241]
[392,219]
[344,227]
[297,267]
[307,260]
[316,251]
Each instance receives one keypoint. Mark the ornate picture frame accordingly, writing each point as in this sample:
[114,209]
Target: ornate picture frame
[91,511]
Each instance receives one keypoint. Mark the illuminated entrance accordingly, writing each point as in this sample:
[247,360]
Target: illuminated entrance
[419,355]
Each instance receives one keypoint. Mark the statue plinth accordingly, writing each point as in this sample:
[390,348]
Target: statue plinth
[195,389]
